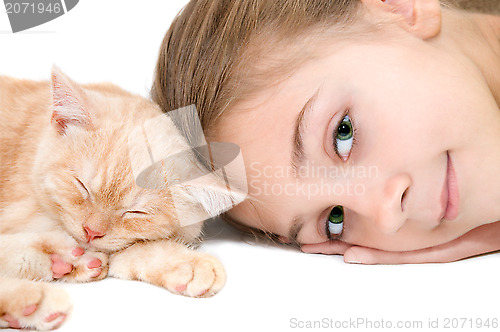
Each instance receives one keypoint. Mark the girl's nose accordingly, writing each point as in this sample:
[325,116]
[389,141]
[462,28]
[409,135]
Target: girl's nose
[389,211]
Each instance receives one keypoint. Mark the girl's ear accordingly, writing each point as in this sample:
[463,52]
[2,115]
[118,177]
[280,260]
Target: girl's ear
[420,17]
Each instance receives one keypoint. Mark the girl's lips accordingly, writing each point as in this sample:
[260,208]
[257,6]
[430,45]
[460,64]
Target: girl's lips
[450,195]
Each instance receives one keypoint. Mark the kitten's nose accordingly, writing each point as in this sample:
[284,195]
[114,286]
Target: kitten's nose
[92,234]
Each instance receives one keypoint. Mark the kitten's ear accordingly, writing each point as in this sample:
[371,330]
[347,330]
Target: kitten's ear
[68,103]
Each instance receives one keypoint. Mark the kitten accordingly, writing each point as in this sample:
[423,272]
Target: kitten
[70,209]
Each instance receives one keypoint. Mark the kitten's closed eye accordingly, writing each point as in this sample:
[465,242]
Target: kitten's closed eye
[83,189]
[134,213]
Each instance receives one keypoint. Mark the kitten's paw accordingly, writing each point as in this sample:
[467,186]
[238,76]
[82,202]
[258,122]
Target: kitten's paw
[170,265]
[201,275]
[32,305]
[79,265]
[57,256]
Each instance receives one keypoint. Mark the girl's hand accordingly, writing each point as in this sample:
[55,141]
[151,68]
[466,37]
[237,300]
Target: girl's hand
[480,240]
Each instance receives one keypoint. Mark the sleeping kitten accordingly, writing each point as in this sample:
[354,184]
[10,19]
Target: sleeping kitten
[70,209]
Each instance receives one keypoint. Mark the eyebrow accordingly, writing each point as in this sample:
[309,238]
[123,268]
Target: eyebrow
[298,154]
[297,225]
[299,157]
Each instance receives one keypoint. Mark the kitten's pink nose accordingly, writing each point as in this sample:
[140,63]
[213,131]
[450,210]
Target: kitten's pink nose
[92,234]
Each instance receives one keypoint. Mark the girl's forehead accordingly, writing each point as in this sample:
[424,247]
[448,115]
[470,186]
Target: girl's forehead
[262,214]
[334,60]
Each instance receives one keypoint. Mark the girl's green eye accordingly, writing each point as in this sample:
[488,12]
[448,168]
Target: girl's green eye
[336,220]
[345,129]
[344,138]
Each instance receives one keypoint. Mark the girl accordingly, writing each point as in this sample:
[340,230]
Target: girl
[362,123]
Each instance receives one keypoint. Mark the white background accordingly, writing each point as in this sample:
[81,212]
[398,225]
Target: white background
[268,286]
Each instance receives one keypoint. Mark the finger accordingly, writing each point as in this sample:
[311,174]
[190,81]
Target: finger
[363,255]
[332,247]
[440,254]
[480,240]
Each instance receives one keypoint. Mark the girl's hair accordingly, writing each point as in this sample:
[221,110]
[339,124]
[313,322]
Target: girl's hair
[483,6]
[218,53]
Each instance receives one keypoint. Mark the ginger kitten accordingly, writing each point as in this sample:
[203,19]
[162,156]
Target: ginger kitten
[70,209]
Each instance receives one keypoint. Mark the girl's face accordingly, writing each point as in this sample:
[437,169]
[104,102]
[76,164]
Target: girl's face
[395,145]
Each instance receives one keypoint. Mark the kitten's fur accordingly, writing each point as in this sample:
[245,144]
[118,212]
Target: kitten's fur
[70,209]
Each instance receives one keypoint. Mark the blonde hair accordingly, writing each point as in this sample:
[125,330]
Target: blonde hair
[216,52]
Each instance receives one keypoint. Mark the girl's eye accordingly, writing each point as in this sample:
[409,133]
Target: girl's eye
[335,223]
[344,138]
